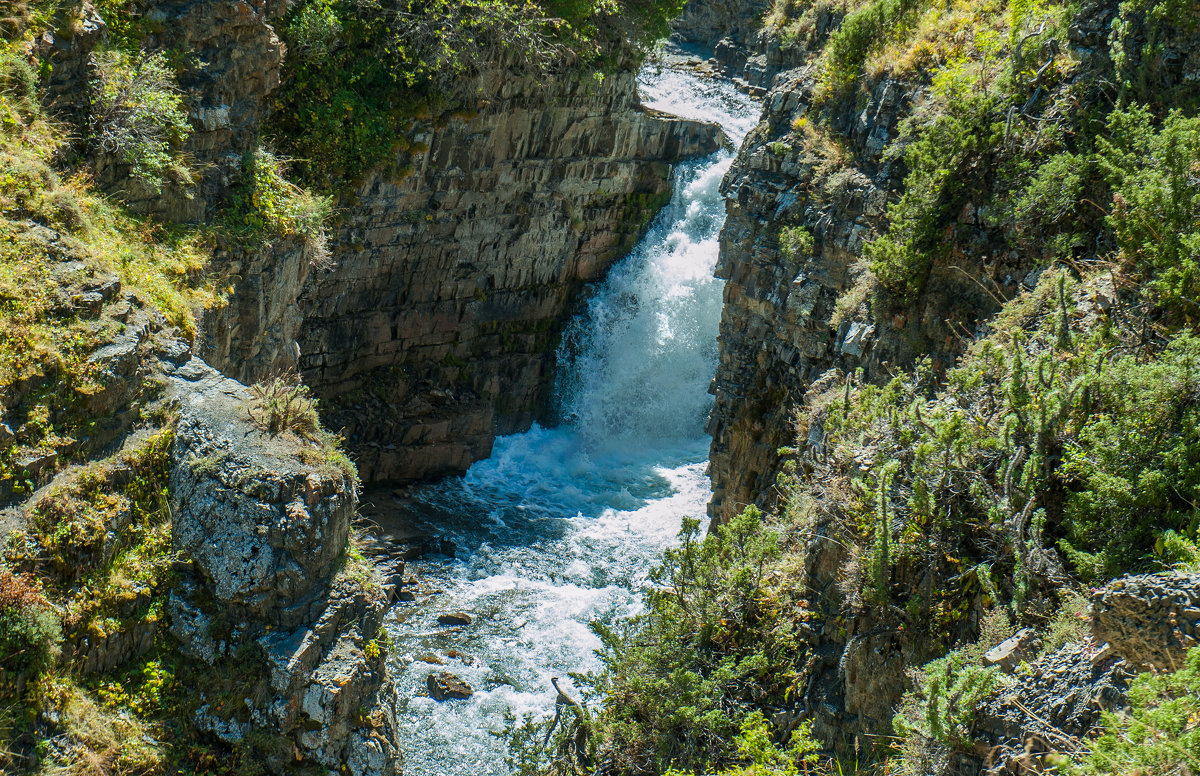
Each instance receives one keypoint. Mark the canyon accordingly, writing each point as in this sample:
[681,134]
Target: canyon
[509,334]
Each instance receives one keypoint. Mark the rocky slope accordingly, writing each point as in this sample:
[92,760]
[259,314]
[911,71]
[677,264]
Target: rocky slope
[831,167]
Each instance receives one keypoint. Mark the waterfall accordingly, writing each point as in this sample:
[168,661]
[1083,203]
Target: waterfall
[561,525]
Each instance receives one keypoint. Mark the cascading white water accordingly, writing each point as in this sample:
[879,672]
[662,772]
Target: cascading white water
[561,525]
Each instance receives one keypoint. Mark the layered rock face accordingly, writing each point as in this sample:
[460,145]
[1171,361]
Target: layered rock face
[776,336]
[271,596]
[437,328]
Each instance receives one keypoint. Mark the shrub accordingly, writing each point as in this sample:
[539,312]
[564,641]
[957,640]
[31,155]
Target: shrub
[359,73]
[682,679]
[1133,468]
[861,31]
[138,114]
[938,160]
[1159,733]
[795,243]
[268,202]
[29,630]
[947,694]
[1156,204]
[761,756]
[282,404]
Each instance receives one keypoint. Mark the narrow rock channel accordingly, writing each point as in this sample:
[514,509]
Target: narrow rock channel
[561,525]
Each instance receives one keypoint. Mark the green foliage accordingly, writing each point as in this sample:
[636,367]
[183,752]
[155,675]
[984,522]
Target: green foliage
[1138,42]
[1045,436]
[937,160]
[795,243]
[946,696]
[863,30]
[681,680]
[29,631]
[1156,204]
[1133,466]
[138,115]
[1158,735]
[268,202]
[760,756]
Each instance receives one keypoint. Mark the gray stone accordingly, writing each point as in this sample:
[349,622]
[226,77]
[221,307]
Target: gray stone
[1010,653]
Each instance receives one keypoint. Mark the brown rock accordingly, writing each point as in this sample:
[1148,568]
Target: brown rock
[446,686]
[454,618]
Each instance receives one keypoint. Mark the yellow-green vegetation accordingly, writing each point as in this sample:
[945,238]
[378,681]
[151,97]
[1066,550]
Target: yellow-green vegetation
[60,240]
[267,203]
[99,544]
[281,404]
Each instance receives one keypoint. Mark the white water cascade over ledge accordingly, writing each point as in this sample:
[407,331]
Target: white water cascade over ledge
[561,525]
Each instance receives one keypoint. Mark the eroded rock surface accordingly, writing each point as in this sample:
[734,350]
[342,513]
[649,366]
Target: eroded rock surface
[272,596]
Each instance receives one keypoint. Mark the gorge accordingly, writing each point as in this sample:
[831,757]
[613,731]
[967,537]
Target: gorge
[360,363]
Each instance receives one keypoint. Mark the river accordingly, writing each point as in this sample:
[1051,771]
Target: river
[561,525]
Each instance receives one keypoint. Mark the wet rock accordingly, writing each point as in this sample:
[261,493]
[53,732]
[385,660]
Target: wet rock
[446,686]
[454,618]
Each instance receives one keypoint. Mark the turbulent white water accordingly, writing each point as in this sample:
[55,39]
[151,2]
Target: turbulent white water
[560,526]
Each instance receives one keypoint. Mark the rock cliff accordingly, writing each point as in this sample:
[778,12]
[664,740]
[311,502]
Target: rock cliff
[437,327]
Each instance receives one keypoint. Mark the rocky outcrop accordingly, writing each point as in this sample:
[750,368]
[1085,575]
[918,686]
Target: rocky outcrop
[1151,621]
[437,328]
[777,337]
[272,600]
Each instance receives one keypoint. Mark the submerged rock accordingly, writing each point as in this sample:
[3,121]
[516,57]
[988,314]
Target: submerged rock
[454,618]
[446,686]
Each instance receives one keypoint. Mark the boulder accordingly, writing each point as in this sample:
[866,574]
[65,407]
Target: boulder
[454,618]
[1010,653]
[445,686]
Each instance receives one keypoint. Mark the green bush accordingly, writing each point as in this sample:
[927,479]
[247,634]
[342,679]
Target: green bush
[1132,468]
[861,32]
[938,162]
[680,681]
[947,695]
[1155,216]
[759,755]
[29,631]
[268,202]
[795,243]
[1159,733]
[138,114]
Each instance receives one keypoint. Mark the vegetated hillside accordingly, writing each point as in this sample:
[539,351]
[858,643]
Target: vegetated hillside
[179,591]
[960,366]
